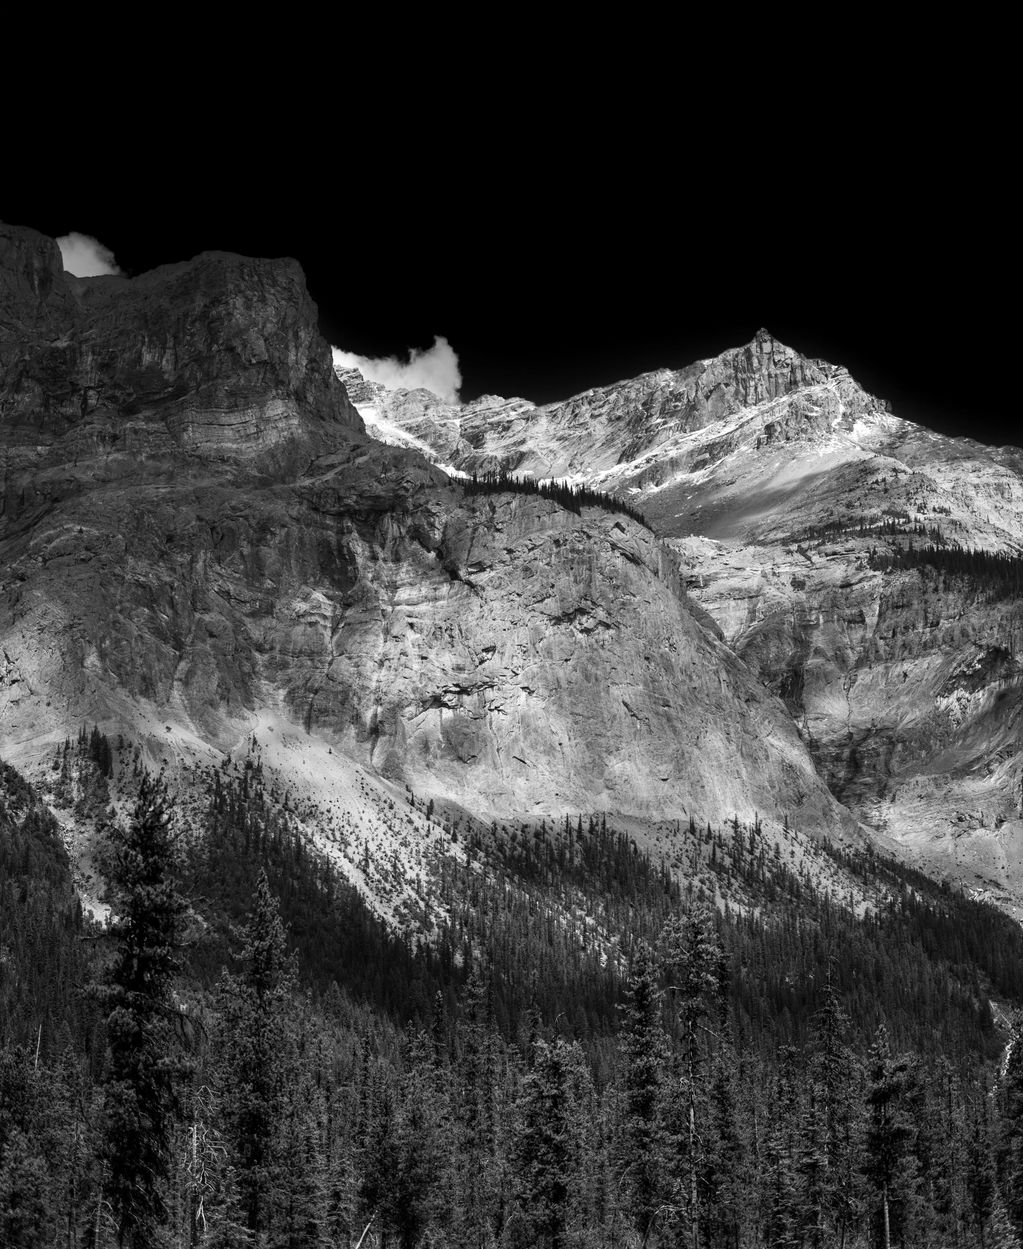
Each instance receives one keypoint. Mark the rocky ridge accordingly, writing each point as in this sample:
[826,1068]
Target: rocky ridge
[775,478]
[204,554]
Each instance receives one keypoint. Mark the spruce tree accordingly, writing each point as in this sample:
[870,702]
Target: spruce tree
[697,966]
[981,1181]
[476,1180]
[644,1054]
[254,1054]
[27,1213]
[788,1218]
[889,1136]
[837,1187]
[415,1182]
[141,1068]
[546,1145]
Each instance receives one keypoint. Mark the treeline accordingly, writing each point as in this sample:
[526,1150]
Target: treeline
[999,574]
[892,523]
[597,1048]
[572,498]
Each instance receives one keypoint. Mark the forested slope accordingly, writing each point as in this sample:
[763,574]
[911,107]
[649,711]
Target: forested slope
[593,1048]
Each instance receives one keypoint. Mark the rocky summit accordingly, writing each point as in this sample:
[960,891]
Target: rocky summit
[205,553]
[865,569]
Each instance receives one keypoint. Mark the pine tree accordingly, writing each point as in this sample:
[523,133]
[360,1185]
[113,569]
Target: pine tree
[644,1054]
[836,1190]
[254,1049]
[785,1179]
[725,1180]
[414,1201]
[889,1134]
[546,1143]
[475,1180]
[696,965]
[141,1069]
[27,1214]
[981,1180]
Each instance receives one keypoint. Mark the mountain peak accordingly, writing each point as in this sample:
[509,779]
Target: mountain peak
[764,342]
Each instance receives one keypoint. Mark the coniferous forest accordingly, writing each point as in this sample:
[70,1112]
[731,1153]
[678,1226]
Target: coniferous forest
[573,498]
[595,1047]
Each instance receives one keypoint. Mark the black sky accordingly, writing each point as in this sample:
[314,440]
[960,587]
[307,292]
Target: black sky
[624,221]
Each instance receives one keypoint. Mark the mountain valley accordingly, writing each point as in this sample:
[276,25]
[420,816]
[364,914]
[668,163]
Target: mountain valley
[491,825]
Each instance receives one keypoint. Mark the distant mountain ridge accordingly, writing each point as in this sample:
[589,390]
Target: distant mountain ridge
[774,477]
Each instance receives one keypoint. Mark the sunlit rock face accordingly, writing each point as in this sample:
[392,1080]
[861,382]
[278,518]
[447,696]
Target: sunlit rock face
[774,478]
[637,434]
[198,538]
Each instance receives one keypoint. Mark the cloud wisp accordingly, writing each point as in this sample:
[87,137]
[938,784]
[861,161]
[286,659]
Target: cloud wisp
[435,369]
[85,256]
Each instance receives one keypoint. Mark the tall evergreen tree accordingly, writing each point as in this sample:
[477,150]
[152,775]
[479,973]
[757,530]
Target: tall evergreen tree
[981,1175]
[546,1146]
[697,967]
[836,1188]
[254,1047]
[141,1069]
[644,1055]
[889,1136]
[476,1177]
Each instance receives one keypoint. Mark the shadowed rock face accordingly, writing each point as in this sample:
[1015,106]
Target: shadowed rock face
[197,533]
[213,362]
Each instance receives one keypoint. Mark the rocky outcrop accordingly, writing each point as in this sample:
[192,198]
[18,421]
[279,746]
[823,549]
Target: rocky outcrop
[218,362]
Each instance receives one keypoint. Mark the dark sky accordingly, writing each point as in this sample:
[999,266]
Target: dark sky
[560,243]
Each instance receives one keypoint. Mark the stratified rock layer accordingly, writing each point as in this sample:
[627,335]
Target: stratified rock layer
[213,362]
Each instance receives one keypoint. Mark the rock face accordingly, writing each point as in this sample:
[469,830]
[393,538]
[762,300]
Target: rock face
[198,538]
[638,434]
[774,478]
[217,361]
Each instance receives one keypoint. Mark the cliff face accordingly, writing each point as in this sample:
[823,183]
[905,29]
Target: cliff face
[774,478]
[217,361]
[199,543]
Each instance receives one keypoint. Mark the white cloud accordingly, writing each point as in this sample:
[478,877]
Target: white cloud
[85,256]
[435,369]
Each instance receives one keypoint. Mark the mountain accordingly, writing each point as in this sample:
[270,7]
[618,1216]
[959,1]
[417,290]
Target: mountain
[206,556]
[831,543]
[489,890]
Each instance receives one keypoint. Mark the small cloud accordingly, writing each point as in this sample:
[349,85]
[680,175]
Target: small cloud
[85,256]
[435,369]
